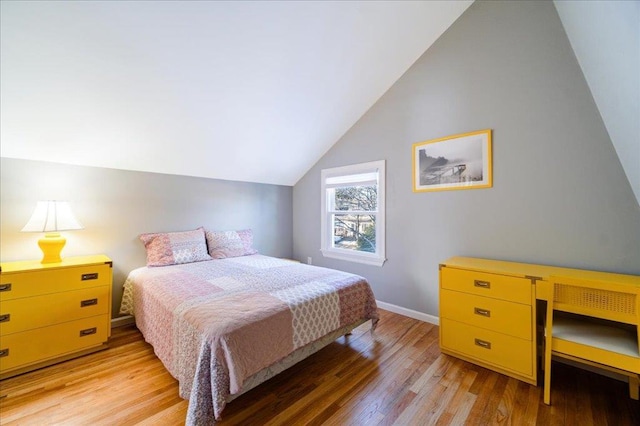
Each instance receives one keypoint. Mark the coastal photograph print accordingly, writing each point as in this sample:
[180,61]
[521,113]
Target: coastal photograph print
[460,161]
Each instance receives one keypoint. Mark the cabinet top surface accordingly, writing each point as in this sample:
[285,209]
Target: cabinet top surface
[541,272]
[35,265]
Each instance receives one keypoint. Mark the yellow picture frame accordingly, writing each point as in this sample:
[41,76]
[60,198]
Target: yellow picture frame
[462,161]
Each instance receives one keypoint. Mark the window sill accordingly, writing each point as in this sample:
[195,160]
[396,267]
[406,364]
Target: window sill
[349,257]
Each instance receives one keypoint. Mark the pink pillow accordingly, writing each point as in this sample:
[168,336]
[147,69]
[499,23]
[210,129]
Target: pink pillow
[172,248]
[223,244]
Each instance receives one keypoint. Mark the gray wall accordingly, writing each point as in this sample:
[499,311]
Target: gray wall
[115,206]
[560,195]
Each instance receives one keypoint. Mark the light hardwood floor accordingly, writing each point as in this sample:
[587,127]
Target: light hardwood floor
[397,377]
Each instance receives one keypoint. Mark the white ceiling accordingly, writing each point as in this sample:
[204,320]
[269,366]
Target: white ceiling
[249,91]
[610,61]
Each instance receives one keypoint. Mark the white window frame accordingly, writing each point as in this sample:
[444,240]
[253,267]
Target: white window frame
[328,250]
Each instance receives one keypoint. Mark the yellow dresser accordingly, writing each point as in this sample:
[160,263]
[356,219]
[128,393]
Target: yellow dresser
[53,312]
[488,315]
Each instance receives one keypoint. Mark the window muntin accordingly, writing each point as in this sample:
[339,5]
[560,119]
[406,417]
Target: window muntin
[353,213]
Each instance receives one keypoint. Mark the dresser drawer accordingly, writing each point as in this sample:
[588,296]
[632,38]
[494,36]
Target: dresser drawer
[23,314]
[503,287]
[20,349]
[498,315]
[34,283]
[500,350]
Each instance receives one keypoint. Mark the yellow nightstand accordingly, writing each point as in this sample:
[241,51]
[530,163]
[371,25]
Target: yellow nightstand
[53,312]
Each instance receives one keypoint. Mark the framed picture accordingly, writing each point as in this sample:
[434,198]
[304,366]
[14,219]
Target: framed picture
[455,162]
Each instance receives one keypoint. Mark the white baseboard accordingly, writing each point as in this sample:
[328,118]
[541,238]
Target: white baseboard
[122,321]
[408,313]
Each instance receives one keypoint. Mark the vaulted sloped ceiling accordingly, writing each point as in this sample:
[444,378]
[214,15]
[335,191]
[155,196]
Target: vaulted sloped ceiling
[249,91]
[605,36]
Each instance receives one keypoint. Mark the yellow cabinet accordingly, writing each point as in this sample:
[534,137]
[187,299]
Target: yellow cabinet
[53,312]
[487,316]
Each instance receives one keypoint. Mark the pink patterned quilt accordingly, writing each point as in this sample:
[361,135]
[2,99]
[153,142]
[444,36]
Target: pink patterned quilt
[213,324]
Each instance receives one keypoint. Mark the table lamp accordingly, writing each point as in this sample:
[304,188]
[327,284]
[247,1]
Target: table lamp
[51,217]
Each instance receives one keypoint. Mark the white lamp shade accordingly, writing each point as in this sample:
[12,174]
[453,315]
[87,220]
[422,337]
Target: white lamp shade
[52,216]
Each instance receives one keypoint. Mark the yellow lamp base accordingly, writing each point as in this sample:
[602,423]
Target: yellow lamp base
[51,246]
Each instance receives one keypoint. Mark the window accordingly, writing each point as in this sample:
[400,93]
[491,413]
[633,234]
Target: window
[353,213]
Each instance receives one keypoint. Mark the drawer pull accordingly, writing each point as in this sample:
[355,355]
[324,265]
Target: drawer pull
[482,284]
[4,352]
[482,312]
[5,318]
[88,331]
[483,343]
[88,302]
[92,276]
[5,287]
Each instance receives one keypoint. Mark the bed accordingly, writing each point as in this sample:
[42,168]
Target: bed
[223,326]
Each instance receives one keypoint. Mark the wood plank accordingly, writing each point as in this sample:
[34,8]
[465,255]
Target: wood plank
[397,376]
